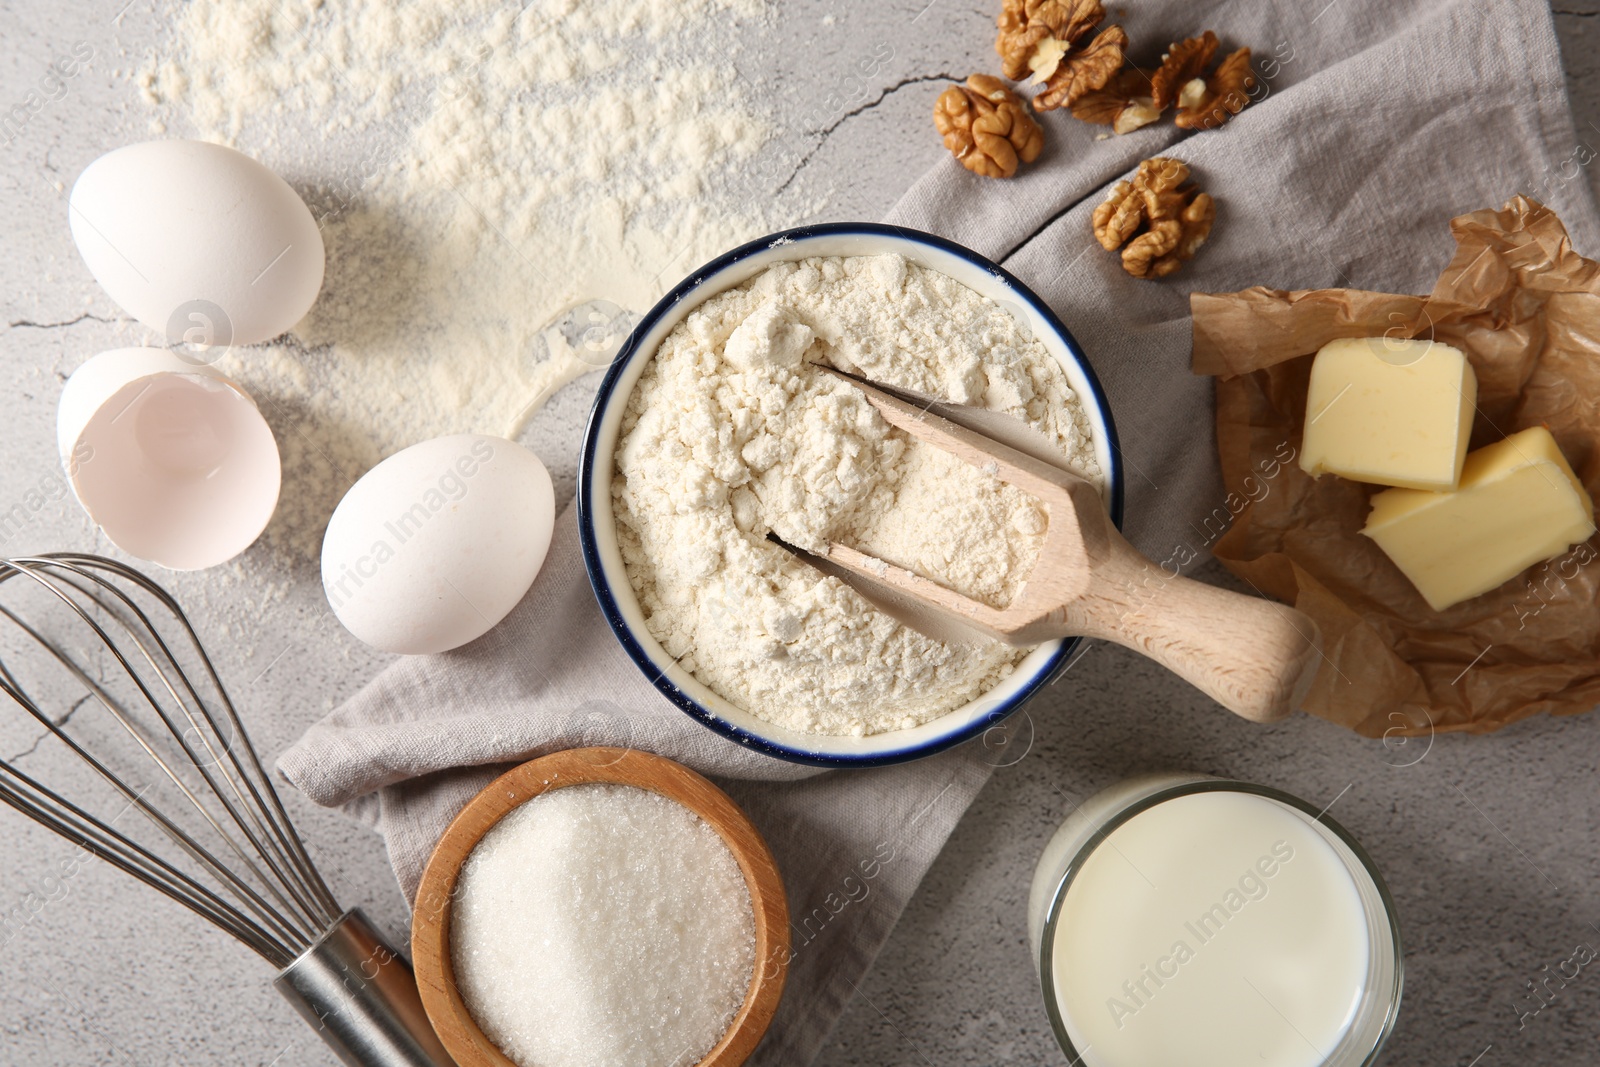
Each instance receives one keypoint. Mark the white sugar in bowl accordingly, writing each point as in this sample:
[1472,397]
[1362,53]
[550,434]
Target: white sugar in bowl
[436,544]
[173,461]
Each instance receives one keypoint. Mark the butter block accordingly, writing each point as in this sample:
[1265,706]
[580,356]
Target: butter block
[1518,504]
[1389,411]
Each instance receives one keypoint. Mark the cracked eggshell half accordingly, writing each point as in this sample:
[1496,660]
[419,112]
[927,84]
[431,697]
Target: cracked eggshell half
[435,545]
[173,461]
[198,242]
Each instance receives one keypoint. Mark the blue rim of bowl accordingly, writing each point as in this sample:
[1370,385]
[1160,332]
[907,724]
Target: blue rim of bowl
[585,497]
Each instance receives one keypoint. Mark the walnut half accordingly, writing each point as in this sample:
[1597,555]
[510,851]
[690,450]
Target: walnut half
[1132,98]
[1083,71]
[1170,243]
[1205,105]
[987,127]
[1184,62]
[1026,25]
[1125,104]
[1164,214]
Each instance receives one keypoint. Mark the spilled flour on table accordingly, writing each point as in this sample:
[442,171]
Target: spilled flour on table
[509,161]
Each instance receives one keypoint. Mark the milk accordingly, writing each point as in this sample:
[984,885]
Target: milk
[1213,929]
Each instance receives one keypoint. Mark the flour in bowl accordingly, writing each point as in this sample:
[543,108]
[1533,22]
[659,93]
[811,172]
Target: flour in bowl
[730,435]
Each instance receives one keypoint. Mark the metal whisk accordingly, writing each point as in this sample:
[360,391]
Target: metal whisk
[216,837]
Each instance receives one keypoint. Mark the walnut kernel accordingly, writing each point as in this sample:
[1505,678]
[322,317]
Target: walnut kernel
[1130,202]
[1171,242]
[1221,96]
[987,127]
[1084,71]
[1185,61]
[1125,104]
[1174,217]
[1024,25]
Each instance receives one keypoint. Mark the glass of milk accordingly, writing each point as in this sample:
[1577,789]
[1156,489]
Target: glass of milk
[1188,919]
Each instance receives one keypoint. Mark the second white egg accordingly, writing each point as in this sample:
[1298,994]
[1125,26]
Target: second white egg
[436,544]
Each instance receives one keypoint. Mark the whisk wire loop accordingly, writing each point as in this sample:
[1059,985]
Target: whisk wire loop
[239,862]
[288,903]
[283,839]
[302,909]
[50,809]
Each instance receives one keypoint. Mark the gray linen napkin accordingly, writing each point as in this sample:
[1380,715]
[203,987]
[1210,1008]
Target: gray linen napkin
[1376,123]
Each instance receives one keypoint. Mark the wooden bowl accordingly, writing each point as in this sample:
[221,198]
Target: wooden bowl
[430,924]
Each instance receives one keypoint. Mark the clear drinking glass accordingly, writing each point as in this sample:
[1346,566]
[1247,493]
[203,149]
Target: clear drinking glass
[1147,878]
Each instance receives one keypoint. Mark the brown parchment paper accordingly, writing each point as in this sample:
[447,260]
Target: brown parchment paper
[1525,308]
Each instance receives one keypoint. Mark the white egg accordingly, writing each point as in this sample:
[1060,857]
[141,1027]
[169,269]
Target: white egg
[436,544]
[197,241]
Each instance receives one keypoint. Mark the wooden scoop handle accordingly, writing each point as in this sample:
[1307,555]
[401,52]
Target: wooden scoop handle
[1255,657]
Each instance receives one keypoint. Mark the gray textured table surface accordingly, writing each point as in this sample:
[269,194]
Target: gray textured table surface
[1490,844]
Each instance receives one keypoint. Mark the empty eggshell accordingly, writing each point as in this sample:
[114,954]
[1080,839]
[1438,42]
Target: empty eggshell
[436,544]
[173,461]
[197,241]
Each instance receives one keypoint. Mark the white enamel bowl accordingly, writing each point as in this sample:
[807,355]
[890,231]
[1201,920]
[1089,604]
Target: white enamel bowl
[598,529]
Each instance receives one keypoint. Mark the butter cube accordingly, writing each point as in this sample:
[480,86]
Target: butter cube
[1518,504]
[1389,411]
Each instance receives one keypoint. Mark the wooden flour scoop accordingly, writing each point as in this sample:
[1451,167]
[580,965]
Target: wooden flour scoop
[1255,657]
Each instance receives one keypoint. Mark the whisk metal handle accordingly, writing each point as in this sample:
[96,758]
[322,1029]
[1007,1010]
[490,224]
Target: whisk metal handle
[360,996]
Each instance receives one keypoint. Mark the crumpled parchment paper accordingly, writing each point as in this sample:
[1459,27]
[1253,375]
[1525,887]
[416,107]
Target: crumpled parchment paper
[1525,308]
